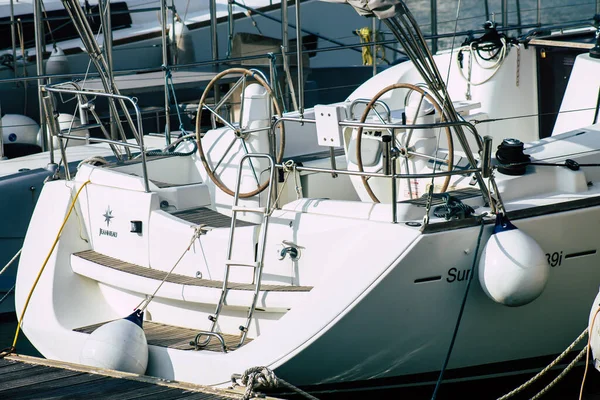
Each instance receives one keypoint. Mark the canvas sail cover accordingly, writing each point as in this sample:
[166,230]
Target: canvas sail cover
[382,9]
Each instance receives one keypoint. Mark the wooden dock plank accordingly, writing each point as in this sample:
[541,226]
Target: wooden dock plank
[60,380]
[56,388]
[7,368]
[88,386]
[32,376]
[161,392]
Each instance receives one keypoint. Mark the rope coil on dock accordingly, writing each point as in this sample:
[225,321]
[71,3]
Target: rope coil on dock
[264,378]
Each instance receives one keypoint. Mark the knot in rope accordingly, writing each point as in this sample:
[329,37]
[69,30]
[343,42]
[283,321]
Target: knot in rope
[258,378]
[198,231]
[96,161]
[271,56]
[289,166]
[453,208]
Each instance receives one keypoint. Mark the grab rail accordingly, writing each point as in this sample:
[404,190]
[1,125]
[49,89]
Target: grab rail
[367,101]
[393,175]
[137,133]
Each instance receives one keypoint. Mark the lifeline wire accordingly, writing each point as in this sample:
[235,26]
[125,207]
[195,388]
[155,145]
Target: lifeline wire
[460,313]
[12,260]
[7,294]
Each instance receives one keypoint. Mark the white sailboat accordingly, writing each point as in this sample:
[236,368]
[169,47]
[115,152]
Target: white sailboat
[137,44]
[349,269]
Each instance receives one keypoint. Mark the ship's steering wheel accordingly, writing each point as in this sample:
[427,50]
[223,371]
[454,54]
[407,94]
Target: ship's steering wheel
[404,148]
[221,112]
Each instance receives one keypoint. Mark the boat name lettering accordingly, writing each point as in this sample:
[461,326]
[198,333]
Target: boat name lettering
[554,259]
[457,275]
[106,232]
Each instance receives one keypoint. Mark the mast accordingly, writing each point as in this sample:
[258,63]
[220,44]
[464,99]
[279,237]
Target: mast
[39,61]
[105,20]
[165,60]
[299,58]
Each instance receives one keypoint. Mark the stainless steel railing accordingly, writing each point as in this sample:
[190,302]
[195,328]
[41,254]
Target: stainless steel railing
[392,175]
[138,130]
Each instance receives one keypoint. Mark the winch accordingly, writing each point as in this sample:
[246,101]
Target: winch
[511,157]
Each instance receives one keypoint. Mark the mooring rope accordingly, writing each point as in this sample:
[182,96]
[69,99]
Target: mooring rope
[561,375]
[588,347]
[264,378]
[548,368]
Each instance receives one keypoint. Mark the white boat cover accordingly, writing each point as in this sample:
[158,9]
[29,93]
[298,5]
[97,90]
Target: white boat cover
[380,8]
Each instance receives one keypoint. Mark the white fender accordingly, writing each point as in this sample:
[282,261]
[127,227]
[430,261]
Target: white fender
[513,269]
[184,44]
[57,63]
[594,331]
[120,345]
[18,128]
[66,121]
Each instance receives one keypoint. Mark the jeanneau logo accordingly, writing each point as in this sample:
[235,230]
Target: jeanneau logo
[107,218]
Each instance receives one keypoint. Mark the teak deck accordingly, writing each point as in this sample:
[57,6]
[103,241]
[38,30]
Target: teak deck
[175,337]
[159,275]
[208,217]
